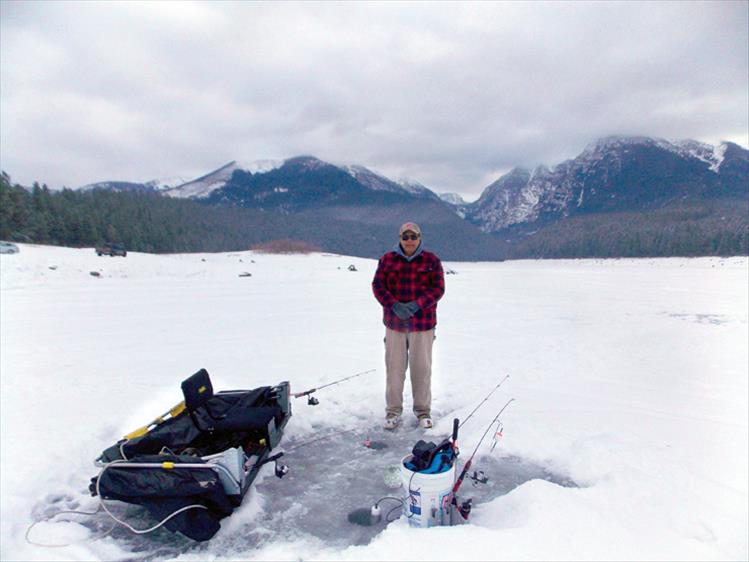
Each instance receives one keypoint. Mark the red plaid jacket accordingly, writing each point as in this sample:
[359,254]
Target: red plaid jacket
[421,280]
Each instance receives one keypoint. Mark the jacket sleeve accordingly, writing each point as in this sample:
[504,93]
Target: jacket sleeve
[379,286]
[436,286]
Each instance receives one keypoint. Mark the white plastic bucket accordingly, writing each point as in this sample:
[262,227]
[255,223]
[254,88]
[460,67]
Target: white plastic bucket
[428,494]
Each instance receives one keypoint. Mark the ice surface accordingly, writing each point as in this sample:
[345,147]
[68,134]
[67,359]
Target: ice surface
[630,379]
[329,479]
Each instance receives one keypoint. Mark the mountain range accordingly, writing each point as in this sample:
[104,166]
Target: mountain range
[615,184]
[610,175]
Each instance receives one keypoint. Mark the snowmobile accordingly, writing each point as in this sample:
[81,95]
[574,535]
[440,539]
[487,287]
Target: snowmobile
[193,465]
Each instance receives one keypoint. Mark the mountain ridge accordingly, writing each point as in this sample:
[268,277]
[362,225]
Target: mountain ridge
[612,174]
[619,177]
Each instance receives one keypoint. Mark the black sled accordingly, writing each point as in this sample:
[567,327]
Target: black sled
[192,466]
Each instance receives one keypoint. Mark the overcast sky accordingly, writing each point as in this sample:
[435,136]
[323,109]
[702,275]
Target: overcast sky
[451,95]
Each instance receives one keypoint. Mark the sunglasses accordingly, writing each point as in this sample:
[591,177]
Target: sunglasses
[409,237]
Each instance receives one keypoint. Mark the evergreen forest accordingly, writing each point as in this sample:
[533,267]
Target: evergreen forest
[149,222]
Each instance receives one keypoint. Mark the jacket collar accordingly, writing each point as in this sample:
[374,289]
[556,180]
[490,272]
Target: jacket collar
[399,250]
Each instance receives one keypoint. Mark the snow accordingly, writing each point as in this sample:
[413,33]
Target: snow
[196,189]
[515,198]
[627,440]
[167,183]
[686,148]
[377,182]
[203,186]
[711,155]
[719,155]
[452,198]
[413,186]
[370,179]
[260,166]
[160,184]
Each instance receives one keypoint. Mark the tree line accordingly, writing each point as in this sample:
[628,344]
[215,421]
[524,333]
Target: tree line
[146,222]
[714,227]
[149,222]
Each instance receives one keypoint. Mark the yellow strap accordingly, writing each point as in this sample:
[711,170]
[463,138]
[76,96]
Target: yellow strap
[177,410]
[167,465]
[174,412]
[137,433]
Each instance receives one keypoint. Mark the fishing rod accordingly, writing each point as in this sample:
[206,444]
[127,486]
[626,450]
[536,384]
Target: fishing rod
[484,400]
[312,401]
[467,466]
[282,470]
[457,424]
[311,441]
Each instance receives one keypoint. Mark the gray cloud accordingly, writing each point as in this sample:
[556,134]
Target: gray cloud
[448,94]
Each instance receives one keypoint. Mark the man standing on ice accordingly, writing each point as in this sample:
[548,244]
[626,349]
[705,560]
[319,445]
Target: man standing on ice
[408,283]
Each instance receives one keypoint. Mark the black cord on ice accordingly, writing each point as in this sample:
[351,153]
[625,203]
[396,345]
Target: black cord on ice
[401,505]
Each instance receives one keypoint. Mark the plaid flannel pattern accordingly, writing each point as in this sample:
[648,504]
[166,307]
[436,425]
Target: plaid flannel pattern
[399,280]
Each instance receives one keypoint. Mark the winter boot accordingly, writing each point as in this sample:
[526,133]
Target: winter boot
[425,421]
[391,421]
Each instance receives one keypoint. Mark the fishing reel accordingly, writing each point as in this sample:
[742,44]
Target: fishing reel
[478,477]
[280,470]
[465,508]
[312,401]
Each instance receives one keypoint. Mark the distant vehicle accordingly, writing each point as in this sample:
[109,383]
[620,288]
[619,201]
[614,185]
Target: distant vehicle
[8,248]
[110,249]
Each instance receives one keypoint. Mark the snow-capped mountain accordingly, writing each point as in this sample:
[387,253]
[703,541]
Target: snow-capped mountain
[152,185]
[116,186]
[378,182]
[203,186]
[417,188]
[166,183]
[613,174]
[372,180]
[260,166]
[455,202]
[306,182]
[452,199]
[185,187]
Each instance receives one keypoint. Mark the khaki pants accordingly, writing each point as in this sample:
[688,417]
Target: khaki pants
[412,350]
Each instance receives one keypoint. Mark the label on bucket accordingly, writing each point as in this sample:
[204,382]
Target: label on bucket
[415,502]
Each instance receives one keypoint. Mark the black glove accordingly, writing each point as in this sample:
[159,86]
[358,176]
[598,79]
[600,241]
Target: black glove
[413,307]
[402,311]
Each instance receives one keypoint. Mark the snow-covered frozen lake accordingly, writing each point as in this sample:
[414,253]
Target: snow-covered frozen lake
[628,438]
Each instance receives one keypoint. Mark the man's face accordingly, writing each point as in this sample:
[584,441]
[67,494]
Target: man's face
[409,242]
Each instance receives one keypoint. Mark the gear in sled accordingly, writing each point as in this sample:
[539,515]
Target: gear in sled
[192,466]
